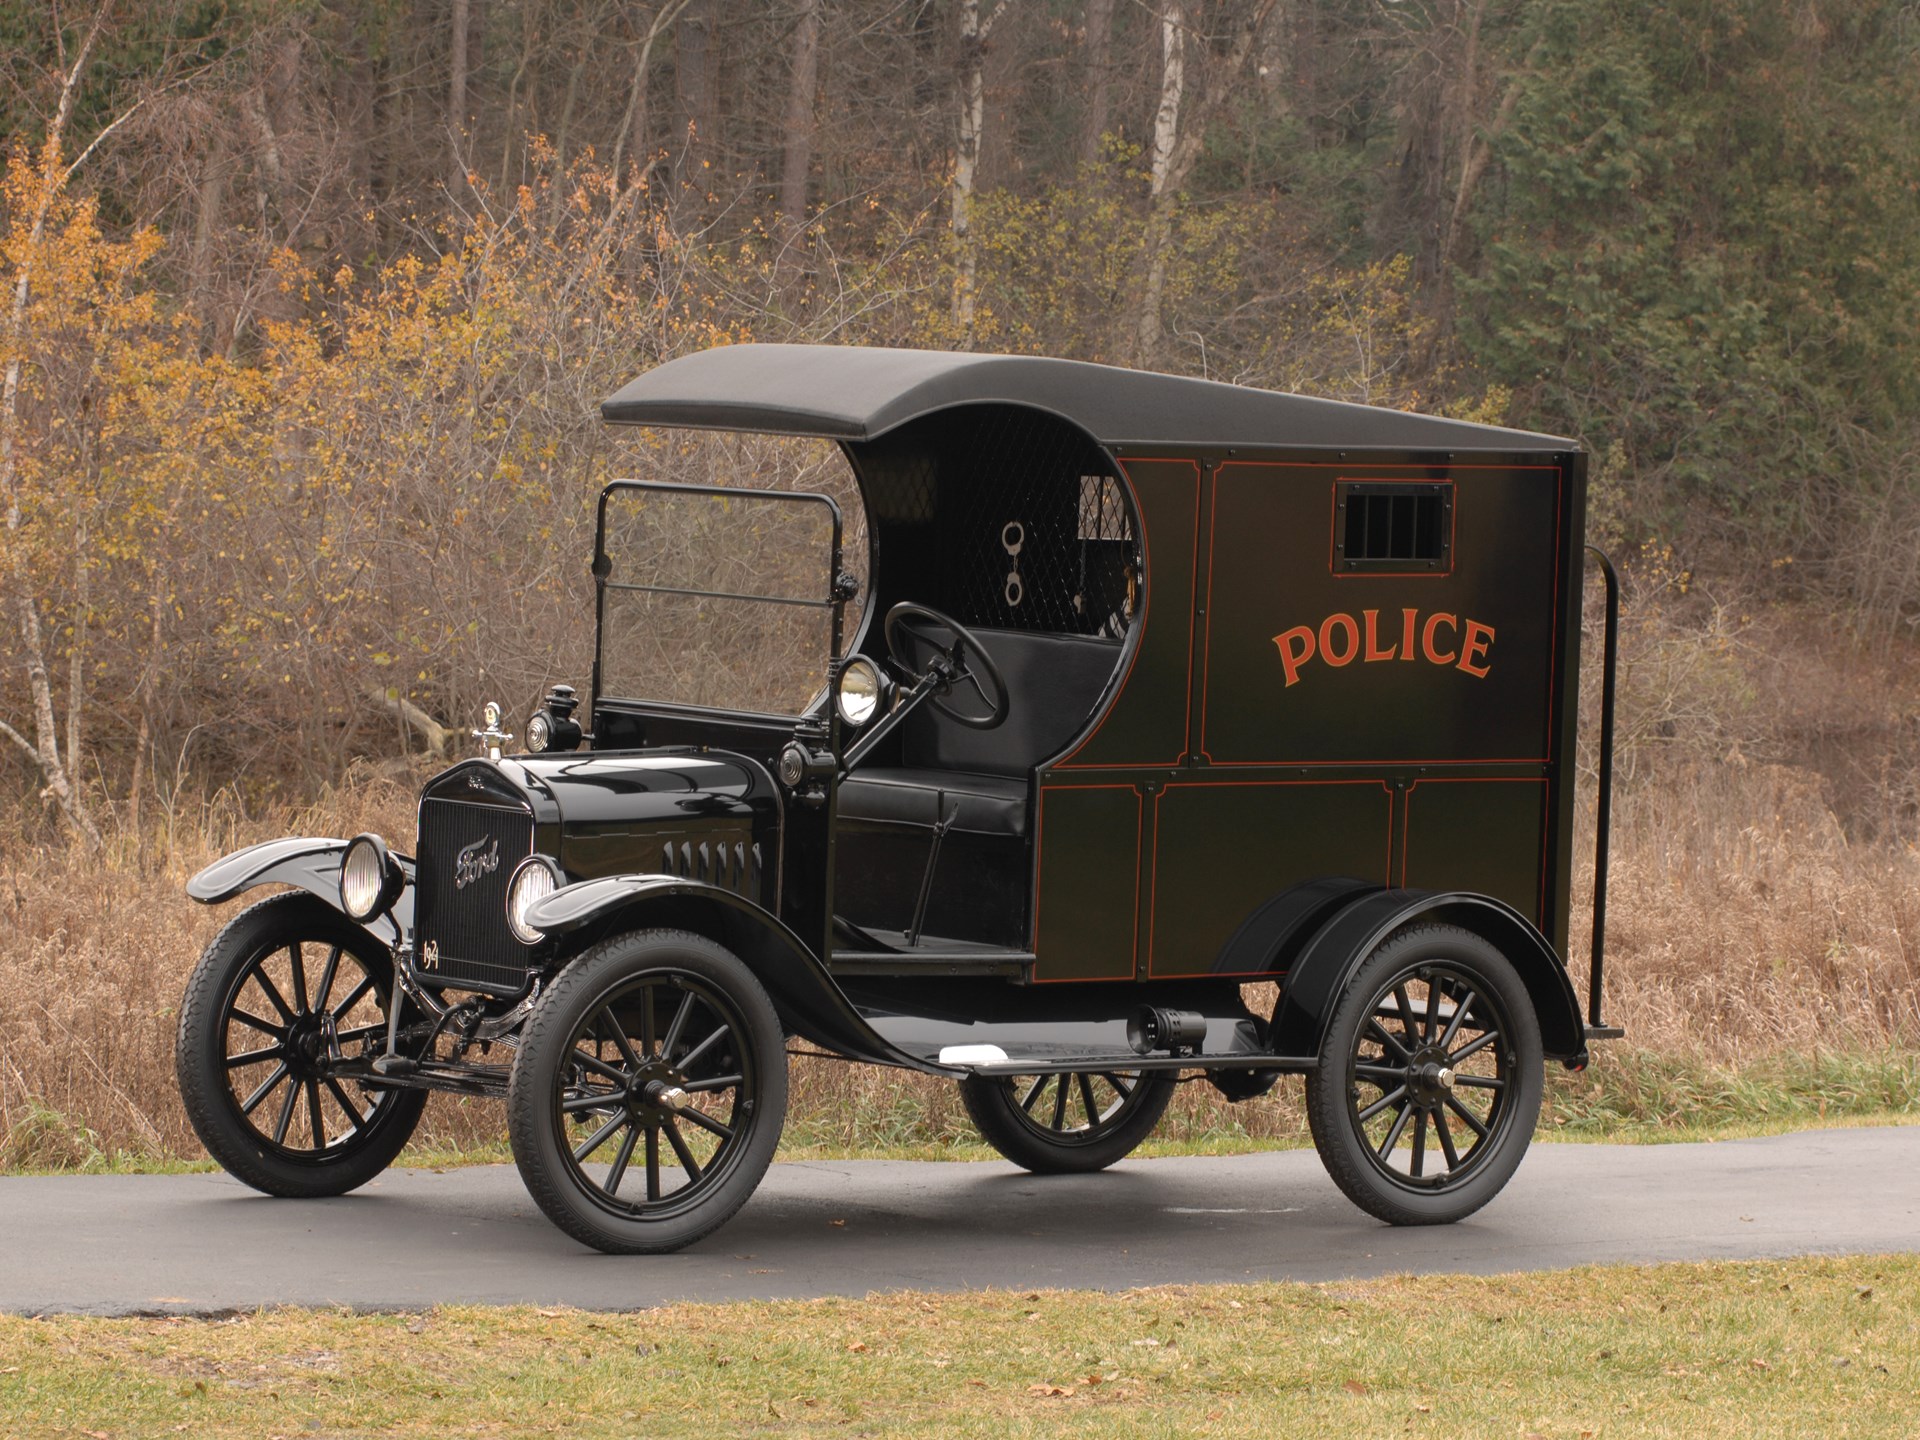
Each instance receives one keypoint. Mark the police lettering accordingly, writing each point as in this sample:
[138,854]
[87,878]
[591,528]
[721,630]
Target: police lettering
[1439,639]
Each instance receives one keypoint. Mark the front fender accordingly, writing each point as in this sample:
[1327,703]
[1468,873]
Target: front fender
[1318,974]
[310,863]
[806,996]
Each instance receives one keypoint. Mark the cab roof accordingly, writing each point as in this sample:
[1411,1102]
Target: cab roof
[856,393]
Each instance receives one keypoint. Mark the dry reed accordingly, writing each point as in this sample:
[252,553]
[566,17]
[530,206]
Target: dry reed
[1746,930]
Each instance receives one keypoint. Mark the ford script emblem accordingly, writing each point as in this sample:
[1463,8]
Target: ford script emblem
[480,858]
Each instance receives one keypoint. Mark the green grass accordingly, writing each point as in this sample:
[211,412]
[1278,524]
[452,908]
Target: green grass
[1826,1347]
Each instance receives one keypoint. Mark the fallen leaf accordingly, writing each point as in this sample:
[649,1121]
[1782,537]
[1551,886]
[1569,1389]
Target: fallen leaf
[1354,1387]
[1051,1391]
[1863,1292]
[1759,1364]
[550,1314]
[838,1224]
[857,1346]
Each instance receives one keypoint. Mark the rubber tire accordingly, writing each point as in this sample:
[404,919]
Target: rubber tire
[537,1144]
[198,1053]
[1343,1149]
[995,1113]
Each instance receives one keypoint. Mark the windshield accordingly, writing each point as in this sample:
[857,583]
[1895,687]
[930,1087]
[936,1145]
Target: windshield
[717,596]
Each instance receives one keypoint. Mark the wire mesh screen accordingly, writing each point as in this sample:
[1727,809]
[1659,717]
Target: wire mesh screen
[717,600]
[1031,528]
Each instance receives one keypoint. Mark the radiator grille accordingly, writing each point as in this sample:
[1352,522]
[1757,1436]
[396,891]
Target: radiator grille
[467,855]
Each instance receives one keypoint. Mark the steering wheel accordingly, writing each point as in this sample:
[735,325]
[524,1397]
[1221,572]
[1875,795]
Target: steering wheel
[964,660]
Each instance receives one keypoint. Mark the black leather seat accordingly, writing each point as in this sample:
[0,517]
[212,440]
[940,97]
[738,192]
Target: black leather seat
[1053,683]
[987,804]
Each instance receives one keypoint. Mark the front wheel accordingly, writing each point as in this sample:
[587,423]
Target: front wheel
[649,1092]
[1067,1124]
[1429,1079]
[285,992]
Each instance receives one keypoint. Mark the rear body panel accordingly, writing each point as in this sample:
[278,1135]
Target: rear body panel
[1286,719]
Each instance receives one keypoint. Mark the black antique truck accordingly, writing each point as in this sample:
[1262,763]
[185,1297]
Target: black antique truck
[1163,695]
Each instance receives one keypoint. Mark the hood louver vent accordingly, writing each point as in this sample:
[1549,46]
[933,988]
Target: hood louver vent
[731,865]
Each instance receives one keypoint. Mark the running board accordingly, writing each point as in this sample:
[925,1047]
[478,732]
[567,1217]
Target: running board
[1033,1063]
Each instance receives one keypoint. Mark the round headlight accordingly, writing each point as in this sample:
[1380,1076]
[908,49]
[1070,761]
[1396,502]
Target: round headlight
[860,693]
[539,732]
[369,880]
[536,878]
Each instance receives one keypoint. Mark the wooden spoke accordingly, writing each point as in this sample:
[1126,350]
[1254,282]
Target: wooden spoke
[252,1102]
[687,1161]
[1385,1102]
[707,1122]
[620,1159]
[354,996]
[599,1137]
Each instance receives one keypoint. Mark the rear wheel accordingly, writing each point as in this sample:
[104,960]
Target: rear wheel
[1070,1123]
[649,1092]
[1429,1080]
[288,989]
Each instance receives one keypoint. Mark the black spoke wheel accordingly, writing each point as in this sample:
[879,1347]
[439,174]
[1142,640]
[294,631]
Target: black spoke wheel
[1070,1123]
[1430,1078]
[289,989]
[649,1092]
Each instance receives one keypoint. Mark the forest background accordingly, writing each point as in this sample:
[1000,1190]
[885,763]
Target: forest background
[308,306]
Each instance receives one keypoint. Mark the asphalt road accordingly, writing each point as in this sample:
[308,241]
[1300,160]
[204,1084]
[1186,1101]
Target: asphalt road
[203,1243]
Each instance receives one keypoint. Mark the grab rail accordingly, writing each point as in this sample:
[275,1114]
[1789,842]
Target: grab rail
[1603,818]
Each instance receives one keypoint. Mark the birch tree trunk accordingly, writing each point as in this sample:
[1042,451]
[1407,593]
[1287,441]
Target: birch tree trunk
[1179,137]
[797,147]
[1163,185]
[974,30]
[44,748]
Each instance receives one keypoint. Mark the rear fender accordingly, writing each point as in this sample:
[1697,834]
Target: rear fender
[809,1002]
[310,863]
[1318,974]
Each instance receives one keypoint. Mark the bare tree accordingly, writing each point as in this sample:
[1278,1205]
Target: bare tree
[974,31]
[1177,145]
[633,123]
[457,91]
[797,147]
[1097,65]
[53,174]
[696,77]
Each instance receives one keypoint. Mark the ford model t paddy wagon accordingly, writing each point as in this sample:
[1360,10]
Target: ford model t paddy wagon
[1160,689]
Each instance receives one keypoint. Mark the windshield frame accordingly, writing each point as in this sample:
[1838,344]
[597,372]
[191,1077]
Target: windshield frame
[835,593]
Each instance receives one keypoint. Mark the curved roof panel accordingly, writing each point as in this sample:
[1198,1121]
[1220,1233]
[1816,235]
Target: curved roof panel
[848,392]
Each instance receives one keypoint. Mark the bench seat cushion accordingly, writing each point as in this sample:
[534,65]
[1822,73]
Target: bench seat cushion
[989,804]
